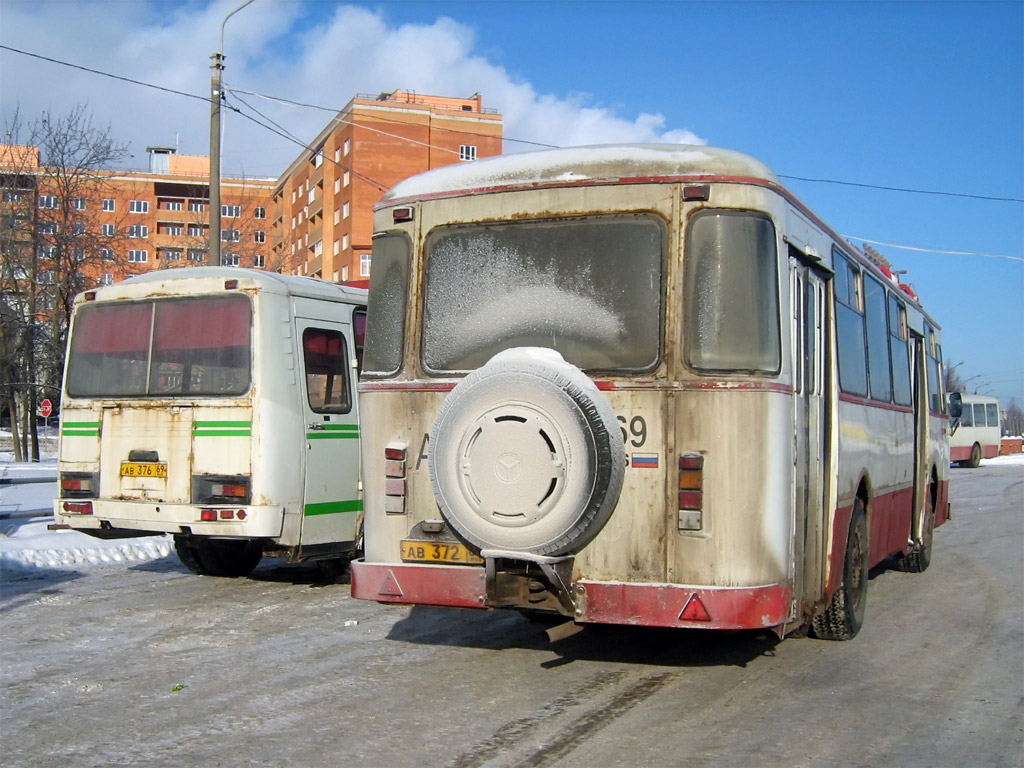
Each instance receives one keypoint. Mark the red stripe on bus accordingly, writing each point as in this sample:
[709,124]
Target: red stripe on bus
[857,400]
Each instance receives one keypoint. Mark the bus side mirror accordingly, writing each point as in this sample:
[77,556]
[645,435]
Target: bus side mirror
[956,405]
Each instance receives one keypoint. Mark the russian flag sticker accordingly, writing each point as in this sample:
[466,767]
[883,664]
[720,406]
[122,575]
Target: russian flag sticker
[645,460]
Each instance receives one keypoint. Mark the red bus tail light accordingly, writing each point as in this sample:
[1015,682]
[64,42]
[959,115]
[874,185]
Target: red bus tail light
[691,491]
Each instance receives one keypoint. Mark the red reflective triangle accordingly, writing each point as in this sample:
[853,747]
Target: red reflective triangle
[694,610]
[389,586]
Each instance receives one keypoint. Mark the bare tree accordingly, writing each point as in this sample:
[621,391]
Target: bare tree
[1013,423]
[952,380]
[53,248]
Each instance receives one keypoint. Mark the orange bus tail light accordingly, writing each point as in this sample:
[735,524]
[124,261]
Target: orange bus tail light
[691,491]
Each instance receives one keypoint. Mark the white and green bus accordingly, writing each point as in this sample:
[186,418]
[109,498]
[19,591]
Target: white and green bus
[216,405]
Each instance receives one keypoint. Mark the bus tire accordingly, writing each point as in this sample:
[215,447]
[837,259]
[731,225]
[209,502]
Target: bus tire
[975,461]
[215,557]
[844,616]
[526,455]
[919,560]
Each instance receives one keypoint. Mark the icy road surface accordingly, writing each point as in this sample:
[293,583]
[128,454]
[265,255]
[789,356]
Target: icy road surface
[139,663]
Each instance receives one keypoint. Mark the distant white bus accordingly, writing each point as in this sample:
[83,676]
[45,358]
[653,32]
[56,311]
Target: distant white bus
[217,405]
[976,435]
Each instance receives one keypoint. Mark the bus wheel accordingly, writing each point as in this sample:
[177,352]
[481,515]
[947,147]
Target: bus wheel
[975,461]
[526,455]
[844,616]
[215,557]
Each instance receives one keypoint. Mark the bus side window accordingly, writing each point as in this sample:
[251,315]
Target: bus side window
[359,328]
[325,361]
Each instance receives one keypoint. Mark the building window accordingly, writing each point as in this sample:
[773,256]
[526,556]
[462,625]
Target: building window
[170,254]
[12,197]
[196,206]
[346,209]
[196,230]
[171,205]
[48,227]
[337,154]
[48,201]
[344,242]
[229,260]
[364,264]
[138,230]
[171,229]
[467,152]
[138,206]
[344,273]
[78,203]
[347,147]
[231,211]
[318,158]
[138,257]
[312,196]
[108,204]
[337,247]
[196,254]
[260,236]
[107,254]
[46,277]
[108,230]
[47,251]
[79,253]
[337,186]
[259,212]
[346,179]
[337,216]
[107,278]
[78,228]
[259,261]
[230,235]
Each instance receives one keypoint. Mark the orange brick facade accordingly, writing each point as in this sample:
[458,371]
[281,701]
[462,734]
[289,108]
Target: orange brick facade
[322,208]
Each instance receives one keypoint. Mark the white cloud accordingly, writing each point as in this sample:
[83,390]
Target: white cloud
[277,48]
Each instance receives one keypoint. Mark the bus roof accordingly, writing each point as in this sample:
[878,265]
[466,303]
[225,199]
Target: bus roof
[575,165]
[171,280]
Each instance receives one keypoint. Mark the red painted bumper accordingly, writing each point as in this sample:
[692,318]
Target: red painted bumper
[650,605]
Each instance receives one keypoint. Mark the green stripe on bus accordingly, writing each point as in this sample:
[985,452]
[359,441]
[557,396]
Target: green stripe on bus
[229,424]
[80,428]
[331,435]
[222,433]
[334,507]
[222,428]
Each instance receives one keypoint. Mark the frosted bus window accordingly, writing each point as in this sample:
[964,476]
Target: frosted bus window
[589,288]
[732,307]
[385,320]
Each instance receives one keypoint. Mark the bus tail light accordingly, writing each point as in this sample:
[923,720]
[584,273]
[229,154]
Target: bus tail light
[691,491]
[394,474]
[214,489]
[78,485]
[78,508]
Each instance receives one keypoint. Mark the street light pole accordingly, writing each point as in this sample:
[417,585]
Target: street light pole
[215,85]
[217,66]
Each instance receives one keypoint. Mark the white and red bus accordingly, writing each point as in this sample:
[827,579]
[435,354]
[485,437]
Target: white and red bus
[640,385]
[977,433]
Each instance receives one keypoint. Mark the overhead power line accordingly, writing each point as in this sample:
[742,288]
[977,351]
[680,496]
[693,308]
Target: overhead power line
[934,250]
[904,189]
[104,74]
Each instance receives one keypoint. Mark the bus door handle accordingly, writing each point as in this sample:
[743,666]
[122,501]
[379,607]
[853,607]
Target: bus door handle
[316,425]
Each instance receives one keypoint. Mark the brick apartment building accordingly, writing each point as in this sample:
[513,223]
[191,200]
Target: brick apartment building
[322,208]
[112,224]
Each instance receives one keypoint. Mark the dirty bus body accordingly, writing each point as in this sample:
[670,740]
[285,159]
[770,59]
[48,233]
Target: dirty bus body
[640,385]
[217,405]
[977,433]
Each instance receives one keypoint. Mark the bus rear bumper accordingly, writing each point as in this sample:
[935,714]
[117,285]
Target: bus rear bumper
[258,522]
[598,602]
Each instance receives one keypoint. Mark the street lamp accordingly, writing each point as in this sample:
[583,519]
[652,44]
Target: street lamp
[215,98]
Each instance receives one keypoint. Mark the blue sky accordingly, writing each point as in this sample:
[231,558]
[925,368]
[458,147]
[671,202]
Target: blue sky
[921,95]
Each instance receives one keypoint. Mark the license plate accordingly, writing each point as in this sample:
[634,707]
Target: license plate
[451,552]
[143,469]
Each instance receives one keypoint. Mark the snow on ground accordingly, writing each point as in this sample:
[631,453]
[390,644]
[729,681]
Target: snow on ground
[27,490]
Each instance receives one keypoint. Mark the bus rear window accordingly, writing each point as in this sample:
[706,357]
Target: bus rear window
[174,347]
[732,306]
[589,288]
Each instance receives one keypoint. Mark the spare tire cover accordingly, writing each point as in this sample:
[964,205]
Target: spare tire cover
[526,455]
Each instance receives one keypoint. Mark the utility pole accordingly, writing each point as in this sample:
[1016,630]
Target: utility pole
[215,96]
